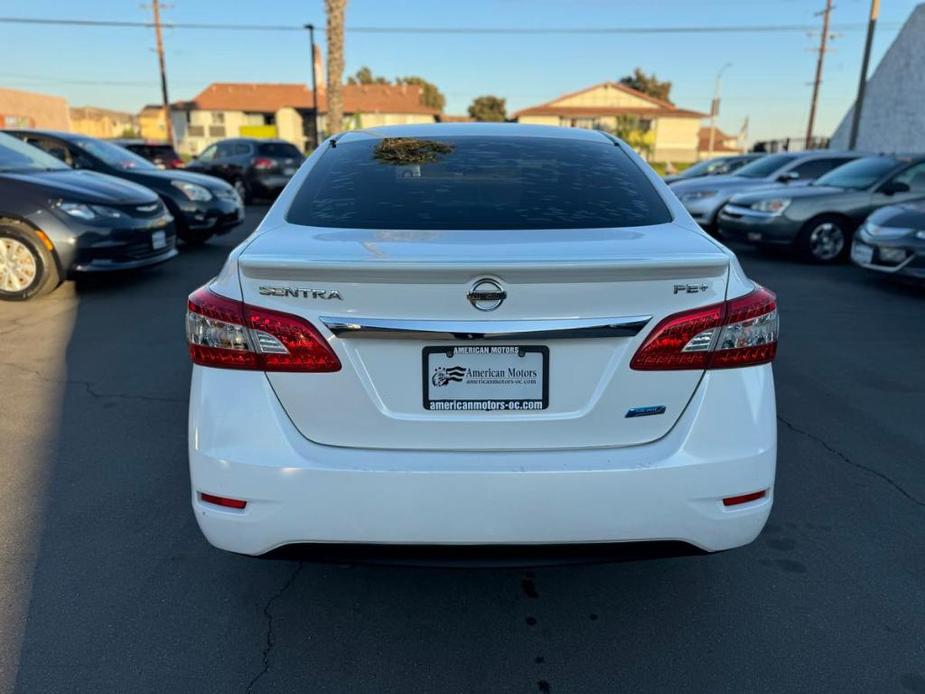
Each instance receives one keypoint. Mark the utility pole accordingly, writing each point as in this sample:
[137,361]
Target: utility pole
[311,40]
[714,106]
[862,84]
[155,6]
[823,40]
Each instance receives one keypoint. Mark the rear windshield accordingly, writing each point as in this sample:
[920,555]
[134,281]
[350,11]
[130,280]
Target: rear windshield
[859,174]
[476,183]
[278,149]
[765,166]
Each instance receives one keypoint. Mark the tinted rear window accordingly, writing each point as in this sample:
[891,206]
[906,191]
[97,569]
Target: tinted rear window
[476,183]
[278,149]
[765,166]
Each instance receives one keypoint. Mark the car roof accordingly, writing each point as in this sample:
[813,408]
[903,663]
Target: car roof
[469,129]
[60,134]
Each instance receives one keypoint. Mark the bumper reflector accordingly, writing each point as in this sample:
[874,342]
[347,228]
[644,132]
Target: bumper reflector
[222,501]
[744,498]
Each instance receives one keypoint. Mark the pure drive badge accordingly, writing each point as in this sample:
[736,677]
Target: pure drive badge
[301,293]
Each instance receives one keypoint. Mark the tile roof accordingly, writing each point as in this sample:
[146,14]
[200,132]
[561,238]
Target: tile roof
[660,107]
[269,98]
[703,141]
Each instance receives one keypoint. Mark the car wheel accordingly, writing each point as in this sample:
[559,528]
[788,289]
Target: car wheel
[241,188]
[825,239]
[27,268]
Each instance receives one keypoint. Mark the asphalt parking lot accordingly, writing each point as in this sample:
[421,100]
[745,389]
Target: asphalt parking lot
[106,584]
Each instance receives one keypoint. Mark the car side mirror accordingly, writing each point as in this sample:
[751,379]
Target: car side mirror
[893,187]
[788,177]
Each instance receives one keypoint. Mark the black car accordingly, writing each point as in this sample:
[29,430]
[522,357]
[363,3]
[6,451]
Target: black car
[161,154]
[892,241]
[55,221]
[819,219]
[202,205]
[717,166]
[256,168]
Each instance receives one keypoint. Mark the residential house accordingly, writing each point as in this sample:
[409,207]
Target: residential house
[893,116]
[723,145]
[152,125]
[668,133]
[286,111]
[101,122]
[20,109]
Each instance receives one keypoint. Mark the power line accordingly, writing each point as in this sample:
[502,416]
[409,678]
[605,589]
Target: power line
[769,28]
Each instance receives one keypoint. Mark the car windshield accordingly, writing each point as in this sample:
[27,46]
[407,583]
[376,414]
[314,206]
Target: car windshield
[113,155]
[701,168]
[477,183]
[16,155]
[764,167]
[859,174]
[278,149]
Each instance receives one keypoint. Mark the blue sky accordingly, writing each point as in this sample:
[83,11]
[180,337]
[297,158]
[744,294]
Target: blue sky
[768,80]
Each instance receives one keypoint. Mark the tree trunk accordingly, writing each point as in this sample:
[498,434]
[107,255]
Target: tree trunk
[335,11]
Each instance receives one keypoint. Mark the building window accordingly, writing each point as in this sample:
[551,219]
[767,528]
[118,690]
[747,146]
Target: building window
[218,118]
[592,123]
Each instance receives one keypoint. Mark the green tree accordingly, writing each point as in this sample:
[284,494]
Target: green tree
[647,84]
[431,96]
[488,108]
[365,76]
[632,132]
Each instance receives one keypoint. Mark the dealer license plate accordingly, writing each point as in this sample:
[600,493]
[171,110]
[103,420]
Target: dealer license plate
[491,378]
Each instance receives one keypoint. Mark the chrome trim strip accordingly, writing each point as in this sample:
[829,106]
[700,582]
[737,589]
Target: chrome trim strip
[555,329]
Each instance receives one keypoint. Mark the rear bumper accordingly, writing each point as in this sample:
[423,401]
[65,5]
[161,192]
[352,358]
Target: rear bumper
[242,445]
[743,224]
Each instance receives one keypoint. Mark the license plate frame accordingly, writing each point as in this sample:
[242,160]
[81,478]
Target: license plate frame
[537,403]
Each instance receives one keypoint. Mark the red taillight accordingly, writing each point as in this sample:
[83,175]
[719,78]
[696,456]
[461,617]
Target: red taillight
[739,332]
[175,164]
[263,163]
[230,334]
[744,498]
[222,501]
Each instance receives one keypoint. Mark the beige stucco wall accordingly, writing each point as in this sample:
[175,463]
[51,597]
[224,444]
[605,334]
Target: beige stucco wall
[539,120]
[676,140]
[25,109]
[605,95]
[289,127]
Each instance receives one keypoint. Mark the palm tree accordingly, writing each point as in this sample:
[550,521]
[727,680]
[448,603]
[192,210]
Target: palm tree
[335,11]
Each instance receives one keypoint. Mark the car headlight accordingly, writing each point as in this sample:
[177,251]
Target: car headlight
[920,234]
[772,205]
[193,191]
[84,211]
[698,195]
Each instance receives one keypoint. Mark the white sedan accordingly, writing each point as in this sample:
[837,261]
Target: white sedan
[474,334]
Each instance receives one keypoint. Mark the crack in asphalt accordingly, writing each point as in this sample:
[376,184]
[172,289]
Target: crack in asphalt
[88,386]
[860,466]
[268,648]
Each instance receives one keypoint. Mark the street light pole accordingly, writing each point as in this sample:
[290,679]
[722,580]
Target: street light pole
[311,39]
[862,84]
[714,106]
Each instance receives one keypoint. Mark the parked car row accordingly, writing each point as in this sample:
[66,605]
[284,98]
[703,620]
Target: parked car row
[828,206]
[71,203]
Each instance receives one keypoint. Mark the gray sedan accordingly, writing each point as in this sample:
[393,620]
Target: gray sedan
[892,241]
[820,219]
[704,197]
